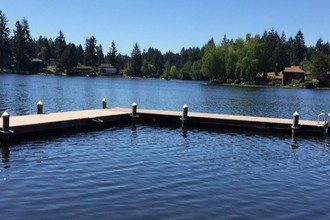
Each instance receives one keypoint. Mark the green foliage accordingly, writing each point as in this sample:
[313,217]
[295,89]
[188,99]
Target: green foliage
[5,52]
[195,71]
[174,73]
[306,65]
[59,45]
[99,55]
[136,61]
[155,58]
[213,63]
[148,69]
[297,83]
[112,56]
[91,58]
[185,71]
[298,48]
[69,59]
[22,46]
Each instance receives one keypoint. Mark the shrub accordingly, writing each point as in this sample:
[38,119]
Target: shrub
[229,81]
[309,85]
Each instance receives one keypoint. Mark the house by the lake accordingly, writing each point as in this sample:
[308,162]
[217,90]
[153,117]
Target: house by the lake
[106,69]
[286,76]
[82,71]
[292,73]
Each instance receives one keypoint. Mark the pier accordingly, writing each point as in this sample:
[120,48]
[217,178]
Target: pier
[41,124]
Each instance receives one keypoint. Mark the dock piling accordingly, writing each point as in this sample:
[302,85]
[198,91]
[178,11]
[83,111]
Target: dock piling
[5,122]
[184,117]
[134,110]
[295,123]
[104,103]
[39,107]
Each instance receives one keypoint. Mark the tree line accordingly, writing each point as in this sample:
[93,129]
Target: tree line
[239,60]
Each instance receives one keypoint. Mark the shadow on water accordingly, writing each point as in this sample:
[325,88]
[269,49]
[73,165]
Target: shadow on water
[5,152]
[185,131]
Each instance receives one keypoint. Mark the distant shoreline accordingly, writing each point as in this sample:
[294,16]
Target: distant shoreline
[209,83]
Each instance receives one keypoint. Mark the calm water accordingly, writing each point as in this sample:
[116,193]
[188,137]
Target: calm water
[143,172]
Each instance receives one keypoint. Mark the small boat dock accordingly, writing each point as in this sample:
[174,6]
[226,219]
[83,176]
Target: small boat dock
[41,124]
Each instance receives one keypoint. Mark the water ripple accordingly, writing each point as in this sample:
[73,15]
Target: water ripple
[136,172]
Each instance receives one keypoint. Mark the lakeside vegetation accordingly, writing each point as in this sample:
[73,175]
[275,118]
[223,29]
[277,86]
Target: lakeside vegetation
[232,61]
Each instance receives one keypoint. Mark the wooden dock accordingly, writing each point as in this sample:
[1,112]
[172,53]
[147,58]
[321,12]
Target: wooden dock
[52,123]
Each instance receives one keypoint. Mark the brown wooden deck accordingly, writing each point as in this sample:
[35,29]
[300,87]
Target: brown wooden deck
[56,122]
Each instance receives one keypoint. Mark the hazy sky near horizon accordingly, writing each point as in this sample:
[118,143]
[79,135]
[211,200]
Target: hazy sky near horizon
[168,25]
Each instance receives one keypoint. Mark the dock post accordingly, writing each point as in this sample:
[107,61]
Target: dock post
[184,117]
[104,103]
[5,122]
[39,107]
[295,123]
[134,110]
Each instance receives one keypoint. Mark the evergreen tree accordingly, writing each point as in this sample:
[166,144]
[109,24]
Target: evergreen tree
[136,61]
[90,52]
[69,58]
[59,45]
[5,52]
[80,54]
[100,55]
[112,56]
[271,49]
[321,59]
[43,49]
[298,49]
[22,46]
[155,58]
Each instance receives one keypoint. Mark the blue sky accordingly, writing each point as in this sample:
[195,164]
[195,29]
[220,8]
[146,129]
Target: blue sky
[168,25]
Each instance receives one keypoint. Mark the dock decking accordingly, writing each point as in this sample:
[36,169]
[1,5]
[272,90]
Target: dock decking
[38,124]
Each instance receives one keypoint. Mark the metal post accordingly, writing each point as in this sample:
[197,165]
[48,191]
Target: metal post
[184,117]
[5,121]
[104,103]
[295,123]
[40,107]
[134,109]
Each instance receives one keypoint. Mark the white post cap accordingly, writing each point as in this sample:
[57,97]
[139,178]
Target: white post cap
[5,114]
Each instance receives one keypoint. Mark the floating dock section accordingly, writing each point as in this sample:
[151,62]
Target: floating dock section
[17,127]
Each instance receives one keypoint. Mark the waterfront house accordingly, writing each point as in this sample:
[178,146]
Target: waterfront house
[38,64]
[82,71]
[292,73]
[288,74]
[106,69]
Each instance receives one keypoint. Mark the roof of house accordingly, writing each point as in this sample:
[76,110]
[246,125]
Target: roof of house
[36,60]
[105,65]
[293,69]
[82,68]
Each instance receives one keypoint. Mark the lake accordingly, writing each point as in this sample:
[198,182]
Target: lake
[158,172]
